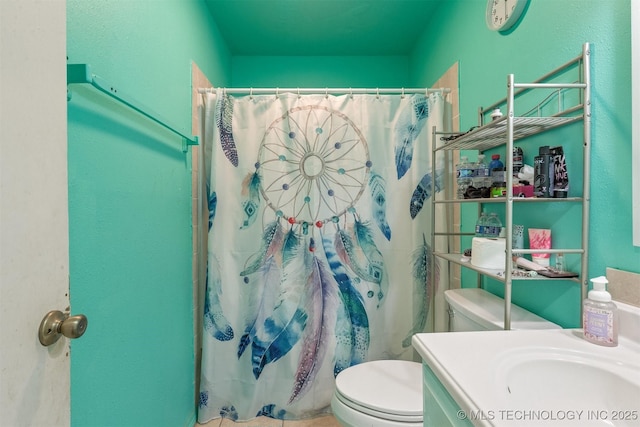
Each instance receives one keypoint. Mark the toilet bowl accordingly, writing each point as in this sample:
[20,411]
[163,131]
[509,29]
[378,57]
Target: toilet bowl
[382,393]
[388,393]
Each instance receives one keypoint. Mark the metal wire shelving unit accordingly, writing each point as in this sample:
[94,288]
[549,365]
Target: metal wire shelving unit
[503,132]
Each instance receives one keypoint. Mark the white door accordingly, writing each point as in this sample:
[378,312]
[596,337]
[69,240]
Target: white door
[34,242]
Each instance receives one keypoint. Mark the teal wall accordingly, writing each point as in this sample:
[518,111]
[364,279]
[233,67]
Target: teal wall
[320,71]
[130,209]
[551,33]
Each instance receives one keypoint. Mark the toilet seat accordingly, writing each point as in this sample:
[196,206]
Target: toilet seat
[384,389]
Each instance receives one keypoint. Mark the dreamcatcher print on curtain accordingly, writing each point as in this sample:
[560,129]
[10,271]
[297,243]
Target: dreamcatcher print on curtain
[318,244]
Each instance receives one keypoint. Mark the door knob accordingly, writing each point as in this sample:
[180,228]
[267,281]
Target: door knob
[56,323]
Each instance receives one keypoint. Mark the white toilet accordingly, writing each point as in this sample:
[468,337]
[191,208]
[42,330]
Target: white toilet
[474,309]
[381,393]
[388,393]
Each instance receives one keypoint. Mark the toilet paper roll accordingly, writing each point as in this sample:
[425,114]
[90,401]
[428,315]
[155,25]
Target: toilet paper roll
[488,253]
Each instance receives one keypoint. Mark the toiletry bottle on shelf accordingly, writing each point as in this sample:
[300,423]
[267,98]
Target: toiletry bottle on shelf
[496,169]
[495,163]
[494,226]
[560,175]
[481,225]
[481,176]
[600,315]
[463,177]
[471,172]
[518,160]
[559,262]
[543,173]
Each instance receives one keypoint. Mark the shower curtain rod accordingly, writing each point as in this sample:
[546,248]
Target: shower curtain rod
[81,74]
[326,91]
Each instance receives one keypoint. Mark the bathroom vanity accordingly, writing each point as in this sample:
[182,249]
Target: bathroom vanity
[531,377]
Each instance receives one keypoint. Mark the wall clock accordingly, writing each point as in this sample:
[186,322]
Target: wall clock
[503,14]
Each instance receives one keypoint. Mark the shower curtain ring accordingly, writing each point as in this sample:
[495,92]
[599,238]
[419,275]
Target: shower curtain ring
[326,93]
[299,93]
[377,93]
[250,93]
[351,93]
[402,95]
[277,92]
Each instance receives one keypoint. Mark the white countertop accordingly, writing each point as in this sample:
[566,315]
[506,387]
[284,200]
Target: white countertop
[473,367]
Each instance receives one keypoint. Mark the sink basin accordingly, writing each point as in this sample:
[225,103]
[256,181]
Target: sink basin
[537,377]
[564,379]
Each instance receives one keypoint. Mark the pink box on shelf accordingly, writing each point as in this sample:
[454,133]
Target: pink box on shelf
[522,191]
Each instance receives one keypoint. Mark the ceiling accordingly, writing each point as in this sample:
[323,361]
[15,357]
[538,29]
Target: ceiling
[321,27]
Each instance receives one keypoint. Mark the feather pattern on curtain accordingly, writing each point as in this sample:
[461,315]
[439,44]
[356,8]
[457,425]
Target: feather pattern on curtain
[305,276]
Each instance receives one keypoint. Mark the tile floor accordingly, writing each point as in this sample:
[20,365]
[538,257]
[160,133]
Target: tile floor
[324,421]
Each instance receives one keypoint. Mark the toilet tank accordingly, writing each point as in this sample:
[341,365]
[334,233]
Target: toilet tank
[474,309]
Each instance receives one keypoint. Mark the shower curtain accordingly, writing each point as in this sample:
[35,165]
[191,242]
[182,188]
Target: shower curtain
[318,244]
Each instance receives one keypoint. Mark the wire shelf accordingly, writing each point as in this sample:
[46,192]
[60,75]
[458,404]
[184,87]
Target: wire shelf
[494,134]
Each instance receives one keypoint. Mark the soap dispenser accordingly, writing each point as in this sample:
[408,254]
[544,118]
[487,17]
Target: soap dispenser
[600,315]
